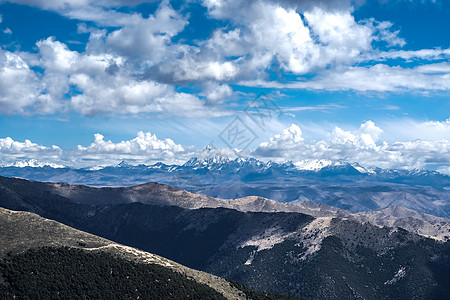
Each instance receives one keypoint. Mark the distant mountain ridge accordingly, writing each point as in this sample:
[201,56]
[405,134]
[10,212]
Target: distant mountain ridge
[340,184]
[13,190]
[215,163]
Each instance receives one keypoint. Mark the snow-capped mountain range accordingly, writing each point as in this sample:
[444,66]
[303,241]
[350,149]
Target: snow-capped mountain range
[216,163]
[32,163]
[335,183]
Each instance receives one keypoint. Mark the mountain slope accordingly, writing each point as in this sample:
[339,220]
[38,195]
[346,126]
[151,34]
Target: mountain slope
[16,190]
[23,235]
[68,273]
[283,252]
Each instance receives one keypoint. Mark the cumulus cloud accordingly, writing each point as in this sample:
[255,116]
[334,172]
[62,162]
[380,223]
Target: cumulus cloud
[298,42]
[148,37]
[133,64]
[444,170]
[144,143]
[364,138]
[144,148]
[216,92]
[273,32]
[323,39]
[289,138]
[89,83]
[103,79]
[12,151]
[21,91]
[363,146]
[8,145]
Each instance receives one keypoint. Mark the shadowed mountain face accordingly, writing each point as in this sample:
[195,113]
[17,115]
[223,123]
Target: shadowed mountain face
[283,252]
[16,190]
[342,185]
[55,261]
[65,273]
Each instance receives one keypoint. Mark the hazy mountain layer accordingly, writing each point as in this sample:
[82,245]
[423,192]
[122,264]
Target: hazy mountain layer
[338,184]
[16,190]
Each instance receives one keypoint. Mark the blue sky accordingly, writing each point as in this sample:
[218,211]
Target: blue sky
[94,82]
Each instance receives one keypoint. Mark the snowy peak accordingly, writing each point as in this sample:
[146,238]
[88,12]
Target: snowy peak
[242,164]
[33,163]
[123,164]
[214,161]
[315,164]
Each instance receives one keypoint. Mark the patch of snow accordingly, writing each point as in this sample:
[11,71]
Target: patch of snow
[95,168]
[363,170]
[314,164]
[250,259]
[399,275]
[34,163]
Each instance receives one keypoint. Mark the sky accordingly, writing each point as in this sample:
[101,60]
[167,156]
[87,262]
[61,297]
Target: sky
[88,83]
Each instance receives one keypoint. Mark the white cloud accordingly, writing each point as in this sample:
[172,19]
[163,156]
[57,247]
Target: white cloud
[326,42]
[407,130]
[148,37]
[102,12]
[384,33]
[56,56]
[122,94]
[8,145]
[108,77]
[216,92]
[269,33]
[379,78]
[444,170]
[426,54]
[273,32]
[20,88]
[142,144]
[340,36]
[135,68]
[89,83]
[12,151]
[144,148]
[289,138]
[195,69]
[362,146]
